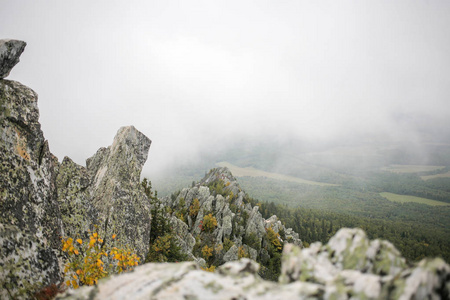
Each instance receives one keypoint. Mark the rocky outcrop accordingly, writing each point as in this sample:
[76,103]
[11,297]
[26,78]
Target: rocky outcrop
[349,267]
[10,51]
[106,196]
[30,217]
[116,193]
[241,231]
[42,200]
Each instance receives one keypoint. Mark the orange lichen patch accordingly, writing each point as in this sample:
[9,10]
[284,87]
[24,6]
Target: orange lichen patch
[21,147]
[21,151]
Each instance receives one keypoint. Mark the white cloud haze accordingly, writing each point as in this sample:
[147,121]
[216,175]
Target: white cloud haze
[196,74]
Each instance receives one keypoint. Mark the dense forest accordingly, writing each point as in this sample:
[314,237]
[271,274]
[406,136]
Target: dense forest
[414,240]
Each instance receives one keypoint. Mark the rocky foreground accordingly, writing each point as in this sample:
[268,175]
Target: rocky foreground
[43,200]
[348,267]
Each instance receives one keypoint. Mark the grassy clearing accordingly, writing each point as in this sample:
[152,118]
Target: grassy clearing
[442,175]
[252,172]
[405,198]
[411,168]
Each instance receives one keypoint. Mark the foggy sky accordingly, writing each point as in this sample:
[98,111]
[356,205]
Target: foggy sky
[195,75]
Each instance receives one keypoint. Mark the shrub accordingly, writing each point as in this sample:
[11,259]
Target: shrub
[207,252]
[194,208]
[242,253]
[165,249]
[212,268]
[274,238]
[209,223]
[252,240]
[227,244]
[90,261]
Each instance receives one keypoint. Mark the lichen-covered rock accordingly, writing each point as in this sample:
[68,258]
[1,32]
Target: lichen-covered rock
[42,201]
[10,51]
[77,212]
[241,231]
[231,254]
[255,223]
[182,234]
[351,265]
[234,280]
[116,194]
[430,279]
[26,263]
[27,181]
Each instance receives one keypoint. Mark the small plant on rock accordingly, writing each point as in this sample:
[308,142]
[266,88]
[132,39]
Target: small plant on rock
[89,261]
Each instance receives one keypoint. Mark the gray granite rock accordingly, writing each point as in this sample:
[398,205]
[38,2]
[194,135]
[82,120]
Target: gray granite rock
[26,263]
[29,210]
[10,51]
[42,200]
[115,191]
[234,280]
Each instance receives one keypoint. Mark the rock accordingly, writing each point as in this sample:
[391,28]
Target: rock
[232,254]
[352,266]
[26,263]
[234,280]
[227,225]
[29,209]
[239,224]
[239,268]
[429,280]
[10,51]
[116,193]
[185,239]
[273,223]
[255,224]
[78,214]
[42,201]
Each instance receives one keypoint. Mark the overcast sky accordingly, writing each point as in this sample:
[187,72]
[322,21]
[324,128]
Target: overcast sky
[194,75]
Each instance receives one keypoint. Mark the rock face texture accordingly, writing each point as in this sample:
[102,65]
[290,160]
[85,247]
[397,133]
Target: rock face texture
[349,267]
[42,200]
[10,51]
[29,214]
[116,192]
[107,193]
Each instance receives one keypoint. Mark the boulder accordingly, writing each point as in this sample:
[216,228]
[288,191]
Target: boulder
[10,51]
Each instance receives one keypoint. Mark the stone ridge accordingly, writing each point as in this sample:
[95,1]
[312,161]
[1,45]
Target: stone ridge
[375,271]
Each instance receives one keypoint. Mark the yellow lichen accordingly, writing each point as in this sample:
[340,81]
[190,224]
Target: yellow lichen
[21,146]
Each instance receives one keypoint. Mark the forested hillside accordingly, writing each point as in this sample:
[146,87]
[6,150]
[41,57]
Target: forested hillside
[374,193]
